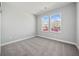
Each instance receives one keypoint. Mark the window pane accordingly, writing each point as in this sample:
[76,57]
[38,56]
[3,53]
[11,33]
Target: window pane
[45,23]
[55,23]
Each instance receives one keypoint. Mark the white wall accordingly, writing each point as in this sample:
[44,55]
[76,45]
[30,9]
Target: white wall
[78,24]
[68,32]
[0,33]
[0,30]
[16,24]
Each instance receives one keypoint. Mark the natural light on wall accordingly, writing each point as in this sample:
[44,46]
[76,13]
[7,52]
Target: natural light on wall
[51,23]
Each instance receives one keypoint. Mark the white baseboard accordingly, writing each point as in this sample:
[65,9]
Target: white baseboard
[58,40]
[16,40]
[43,37]
[77,47]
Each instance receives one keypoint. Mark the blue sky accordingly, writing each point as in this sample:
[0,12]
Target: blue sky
[53,17]
[45,19]
[56,17]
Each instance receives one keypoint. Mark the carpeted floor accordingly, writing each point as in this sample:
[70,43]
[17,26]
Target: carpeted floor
[38,46]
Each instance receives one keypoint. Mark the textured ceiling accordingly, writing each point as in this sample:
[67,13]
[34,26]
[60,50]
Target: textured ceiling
[36,7]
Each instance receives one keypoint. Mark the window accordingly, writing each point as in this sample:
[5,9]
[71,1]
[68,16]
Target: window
[45,23]
[55,23]
[51,23]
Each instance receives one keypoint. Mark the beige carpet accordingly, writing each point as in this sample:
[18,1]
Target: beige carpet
[38,46]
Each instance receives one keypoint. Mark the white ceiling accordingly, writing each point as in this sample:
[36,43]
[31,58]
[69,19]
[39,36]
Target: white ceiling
[37,7]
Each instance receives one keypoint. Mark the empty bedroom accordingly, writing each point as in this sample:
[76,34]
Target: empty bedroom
[39,29]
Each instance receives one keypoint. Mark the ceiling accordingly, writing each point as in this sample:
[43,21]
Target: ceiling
[37,8]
